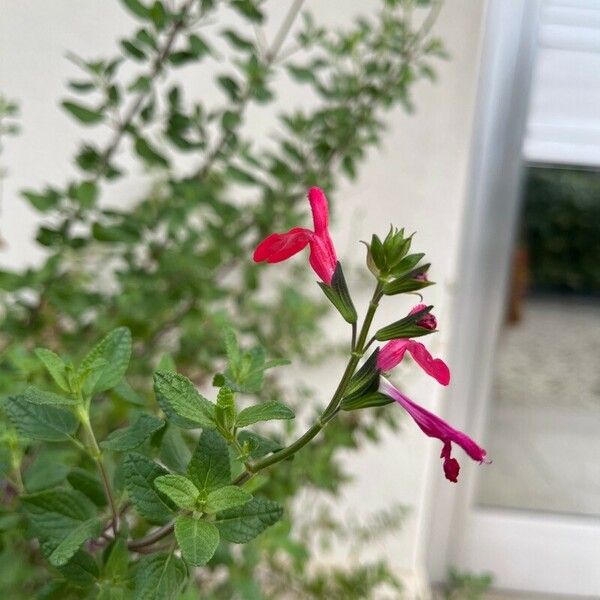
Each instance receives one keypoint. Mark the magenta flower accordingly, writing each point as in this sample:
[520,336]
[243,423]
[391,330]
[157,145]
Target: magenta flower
[428,321]
[432,426]
[278,247]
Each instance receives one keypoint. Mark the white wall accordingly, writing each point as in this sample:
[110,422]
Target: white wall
[416,180]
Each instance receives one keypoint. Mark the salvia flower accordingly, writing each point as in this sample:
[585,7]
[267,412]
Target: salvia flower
[432,426]
[392,353]
[278,247]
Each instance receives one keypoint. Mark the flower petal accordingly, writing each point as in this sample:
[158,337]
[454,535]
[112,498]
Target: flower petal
[435,367]
[280,246]
[320,210]
[391,354]
[321,259]
[432,426]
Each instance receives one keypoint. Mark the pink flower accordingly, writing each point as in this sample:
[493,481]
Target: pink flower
[393,352]
[280,246]
[432,426]
[428,321]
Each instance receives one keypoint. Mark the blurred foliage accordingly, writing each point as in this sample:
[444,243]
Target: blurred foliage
[466,586]
[561,229]
[173,264]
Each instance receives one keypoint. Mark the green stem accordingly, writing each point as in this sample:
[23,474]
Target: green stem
[96,454]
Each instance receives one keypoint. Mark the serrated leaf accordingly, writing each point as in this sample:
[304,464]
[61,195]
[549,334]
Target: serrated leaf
[179,489]
[88,484]
[159,577]
[40,422]
[139,473]
[209,467]
[242,524]
[226,497]
[197,539]
[117,563]
[81,570]
[55,366]
[115,349]
[54,515]
[181,401]
[267,411]
[133,436]
[73,541]
[37,396]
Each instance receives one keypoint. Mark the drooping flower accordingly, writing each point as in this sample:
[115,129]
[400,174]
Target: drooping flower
[278,247]
[432,426]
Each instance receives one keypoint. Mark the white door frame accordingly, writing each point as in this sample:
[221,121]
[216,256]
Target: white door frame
[526,551]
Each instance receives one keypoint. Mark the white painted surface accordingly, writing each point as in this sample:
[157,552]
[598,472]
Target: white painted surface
[418,180]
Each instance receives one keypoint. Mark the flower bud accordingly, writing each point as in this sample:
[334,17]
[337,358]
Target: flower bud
[428,321]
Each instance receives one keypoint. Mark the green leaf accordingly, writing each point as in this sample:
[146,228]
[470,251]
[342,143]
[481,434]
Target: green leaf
[74,540]
[226,497]
[88,484]
[179,489]
[137,8]
[133,436]
[209,467]
[85,115]
[40,422]
[197,539]
[62,521]
[258,445]
[181,401]
[115,349]
[118,560]
[159,577]
[81,570]
[139,473]
[242,524]
[149,154]
[55,366]
[37,396]
[266,411]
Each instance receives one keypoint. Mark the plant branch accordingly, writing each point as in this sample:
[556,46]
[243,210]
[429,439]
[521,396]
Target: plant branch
[239,106]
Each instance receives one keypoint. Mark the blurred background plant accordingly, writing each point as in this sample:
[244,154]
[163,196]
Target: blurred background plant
[173,264]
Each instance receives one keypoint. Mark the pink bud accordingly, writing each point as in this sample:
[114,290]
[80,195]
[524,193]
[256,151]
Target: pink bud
[428,321]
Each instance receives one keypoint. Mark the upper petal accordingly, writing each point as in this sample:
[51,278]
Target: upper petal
[320,209]
[280,246]
[391,354]
[322,260]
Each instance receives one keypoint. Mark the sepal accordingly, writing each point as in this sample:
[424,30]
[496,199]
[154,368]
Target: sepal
[371,400]
[411,282]
[339,296]
[364,381]
[405,328]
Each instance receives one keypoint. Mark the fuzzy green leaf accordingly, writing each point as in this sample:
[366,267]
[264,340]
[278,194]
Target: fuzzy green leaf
[179,489]
[40,422]
[37,396]
[133,436]
[181,401]
[209,467]
[88,484]
[159,577]
[73,541]
[55,366]
[226,497]
[244,523]
[197,539]
[115,349]
[140,473]
[267,411]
